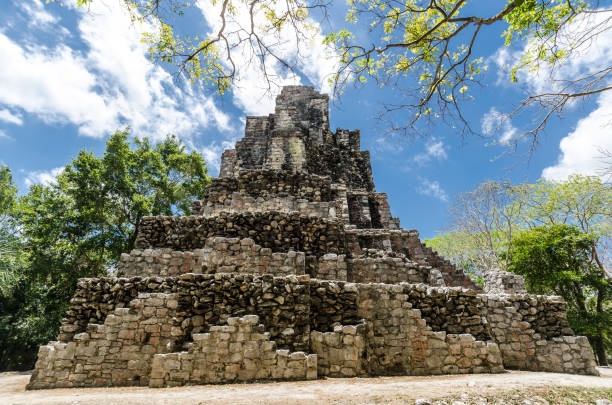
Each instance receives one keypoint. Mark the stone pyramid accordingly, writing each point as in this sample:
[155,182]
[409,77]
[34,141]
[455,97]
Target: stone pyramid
[292,268]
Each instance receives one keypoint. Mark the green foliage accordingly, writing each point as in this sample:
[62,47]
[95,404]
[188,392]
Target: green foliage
[10,259]
[583,201]
[557,259]
[487,218]
[455,246]
[78,227]
[18,322]
[553,258]
[112,193]
[8,191]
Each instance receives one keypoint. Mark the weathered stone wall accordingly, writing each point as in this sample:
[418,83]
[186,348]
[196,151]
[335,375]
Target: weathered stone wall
[121,323]
[503,282]
[405,242]
[400,341]
[295,198]
[331,303]
[533,334]
[390,270]
[340,353]
[454,310]
[270,183]
[235,255]
[240,351]
[275,230]
[331,267]
[310,195]
[282,303]
[159,262]
[238,203]
[227,255]
[453,276]
[311,108]
[250,149]
[229,163]
[341,163]
[359,210]
[117,352]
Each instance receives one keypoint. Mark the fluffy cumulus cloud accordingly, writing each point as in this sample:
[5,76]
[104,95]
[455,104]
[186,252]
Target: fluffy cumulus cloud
[252,92]
[498,126]
[582,149]
[105,83]
[432,189]
[42,177]
[38,16]
[10,117]
[434,150]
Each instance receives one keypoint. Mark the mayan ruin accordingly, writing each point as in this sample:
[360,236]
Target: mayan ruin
[293,268]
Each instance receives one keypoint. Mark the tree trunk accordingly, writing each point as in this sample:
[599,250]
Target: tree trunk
[600,350]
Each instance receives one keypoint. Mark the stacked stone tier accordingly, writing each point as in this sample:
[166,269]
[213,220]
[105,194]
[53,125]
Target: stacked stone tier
[159,331]
[323,248]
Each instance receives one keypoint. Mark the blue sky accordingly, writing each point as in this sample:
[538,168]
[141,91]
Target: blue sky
[70,77]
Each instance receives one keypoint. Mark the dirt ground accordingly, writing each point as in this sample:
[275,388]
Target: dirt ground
[388,390]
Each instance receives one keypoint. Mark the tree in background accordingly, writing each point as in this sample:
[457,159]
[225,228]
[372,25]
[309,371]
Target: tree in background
[429,50]
[487,219]
[15,300]
[79,226]
[582,201]
[557,259]
[483,223]
[488,222]
[111,194]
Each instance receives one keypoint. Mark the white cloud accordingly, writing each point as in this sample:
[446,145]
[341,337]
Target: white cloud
[3,135]
[52,84]
[387,144]
[43,177]
[432,189]
[38,16]
[497,125]
[251,93]
[109,85]
[7,116]
[434,149]
[581,149]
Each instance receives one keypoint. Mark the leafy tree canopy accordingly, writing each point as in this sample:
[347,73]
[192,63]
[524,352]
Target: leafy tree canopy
[430,49]
[557,259]
[79,226]
[489,217]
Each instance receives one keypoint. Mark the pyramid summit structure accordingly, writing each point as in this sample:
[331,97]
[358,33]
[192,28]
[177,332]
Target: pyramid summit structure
[293,268]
